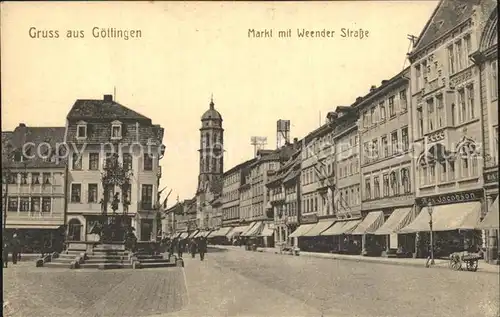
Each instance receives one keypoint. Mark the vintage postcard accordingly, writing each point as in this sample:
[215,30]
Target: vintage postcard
[251,159]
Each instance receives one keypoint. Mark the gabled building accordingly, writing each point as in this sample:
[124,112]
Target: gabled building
[284,197]
[95,130]
[446,95]
[34,177]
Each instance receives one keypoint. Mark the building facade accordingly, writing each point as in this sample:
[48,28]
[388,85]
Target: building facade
[445,90]
[95,130]
[34,178]
[232,181]
[284,197]
[385,130]
[486,57]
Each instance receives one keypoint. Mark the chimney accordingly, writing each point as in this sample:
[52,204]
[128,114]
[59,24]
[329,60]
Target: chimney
[384,82]
[295,140]
[372,88]
[108,97]
[22,125]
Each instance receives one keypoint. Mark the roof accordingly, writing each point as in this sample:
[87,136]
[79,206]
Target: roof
[108,109]
[38,143]
[240,166]
[447,15]
[211,113]
[378,90]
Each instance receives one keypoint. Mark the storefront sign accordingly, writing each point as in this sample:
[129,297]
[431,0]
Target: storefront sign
[308,218]
[451,198]
[491,177]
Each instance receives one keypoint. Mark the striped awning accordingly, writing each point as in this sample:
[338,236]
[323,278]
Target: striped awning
[370,224]
[318,228]
[397,220]
[267,231]
[255,230]
[341,227]
[237,231]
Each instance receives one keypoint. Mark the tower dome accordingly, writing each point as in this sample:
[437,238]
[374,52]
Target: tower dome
[211,113]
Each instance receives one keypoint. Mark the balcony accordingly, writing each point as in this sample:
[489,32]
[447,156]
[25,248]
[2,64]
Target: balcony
[145,205]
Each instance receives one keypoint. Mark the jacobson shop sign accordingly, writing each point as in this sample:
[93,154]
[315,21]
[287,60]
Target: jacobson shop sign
[452,198]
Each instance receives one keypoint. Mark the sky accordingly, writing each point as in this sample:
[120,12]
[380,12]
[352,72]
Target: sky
[189,51]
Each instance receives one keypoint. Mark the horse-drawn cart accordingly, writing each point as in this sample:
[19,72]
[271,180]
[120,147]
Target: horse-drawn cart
[458,259]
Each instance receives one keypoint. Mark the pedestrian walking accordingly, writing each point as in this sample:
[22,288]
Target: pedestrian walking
[5,253]
[180,247]
[202,248]
[15,248]
[192,247]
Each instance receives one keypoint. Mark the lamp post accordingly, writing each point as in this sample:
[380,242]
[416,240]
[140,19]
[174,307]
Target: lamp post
[430,210]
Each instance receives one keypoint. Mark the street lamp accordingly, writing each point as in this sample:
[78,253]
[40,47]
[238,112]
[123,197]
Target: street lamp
[430,210]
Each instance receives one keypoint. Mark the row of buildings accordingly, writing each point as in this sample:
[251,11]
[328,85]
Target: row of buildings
[422,142]
[52,176]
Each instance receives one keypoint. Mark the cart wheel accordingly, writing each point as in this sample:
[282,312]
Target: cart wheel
[472,265]
[456,265]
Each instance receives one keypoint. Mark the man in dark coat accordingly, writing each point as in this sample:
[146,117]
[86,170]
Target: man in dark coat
[192,247]
[15,246]
[180,247]
[202,248]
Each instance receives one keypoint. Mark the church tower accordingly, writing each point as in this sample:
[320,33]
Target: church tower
[211,150]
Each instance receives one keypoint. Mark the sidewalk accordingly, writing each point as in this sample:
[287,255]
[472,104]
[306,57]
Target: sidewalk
[483,267]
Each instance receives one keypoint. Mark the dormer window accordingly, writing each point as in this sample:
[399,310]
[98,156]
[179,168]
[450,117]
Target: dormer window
[116,130]
[81,130]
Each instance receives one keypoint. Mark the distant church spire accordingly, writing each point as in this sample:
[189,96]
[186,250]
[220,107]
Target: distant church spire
[212,101]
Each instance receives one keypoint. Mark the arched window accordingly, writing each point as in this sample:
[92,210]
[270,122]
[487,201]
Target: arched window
[405,180]
[207,140]
[468,157]
[395,182]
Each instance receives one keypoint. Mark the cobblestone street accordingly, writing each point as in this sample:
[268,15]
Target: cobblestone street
[31,291]
[241,283]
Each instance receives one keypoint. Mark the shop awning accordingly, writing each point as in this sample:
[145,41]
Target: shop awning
[341,227]
[301,230]
[463,216]
[249,228]
[321,226]
[207,233]
[237,231]
[183,235]
[255,230]
[267,231]
[491,219]
[220,233]
[398,219]
[194,234]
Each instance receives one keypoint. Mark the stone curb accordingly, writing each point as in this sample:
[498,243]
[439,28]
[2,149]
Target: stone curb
[371,260]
